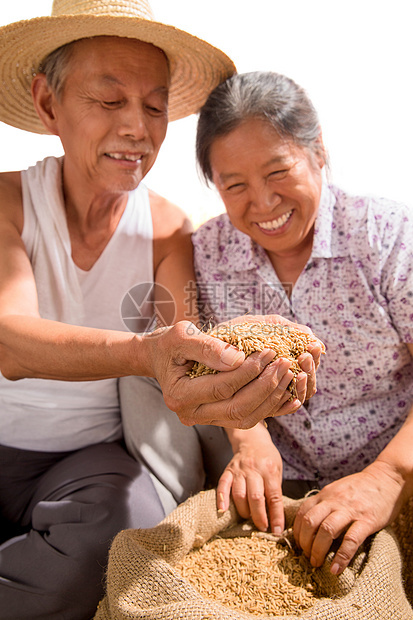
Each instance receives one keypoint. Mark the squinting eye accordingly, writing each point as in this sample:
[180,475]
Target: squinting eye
[278,173]
[111,104]
[157,110]
[236,187]
[154,110]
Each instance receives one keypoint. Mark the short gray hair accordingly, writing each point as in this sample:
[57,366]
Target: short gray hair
[56,67]
[269,96]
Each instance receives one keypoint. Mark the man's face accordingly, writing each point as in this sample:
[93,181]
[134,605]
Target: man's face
[113,112]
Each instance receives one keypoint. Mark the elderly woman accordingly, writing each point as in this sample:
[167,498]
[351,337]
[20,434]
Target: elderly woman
[291,244]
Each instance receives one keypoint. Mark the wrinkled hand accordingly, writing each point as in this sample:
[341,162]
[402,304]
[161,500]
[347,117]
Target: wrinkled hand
[358,505]
[248,391]
[254,476]
[309,361]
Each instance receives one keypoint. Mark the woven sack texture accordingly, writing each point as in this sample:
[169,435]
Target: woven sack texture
[143,584]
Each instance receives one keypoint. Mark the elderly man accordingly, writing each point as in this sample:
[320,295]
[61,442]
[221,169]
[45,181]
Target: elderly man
[77,234]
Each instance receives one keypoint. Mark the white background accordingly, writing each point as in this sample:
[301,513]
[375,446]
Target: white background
[354,58]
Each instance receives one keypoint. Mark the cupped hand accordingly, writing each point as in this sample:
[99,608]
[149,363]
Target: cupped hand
[254,478]
[309,361]
[355,506]
[249,390]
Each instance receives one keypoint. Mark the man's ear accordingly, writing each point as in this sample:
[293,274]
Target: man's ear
[44,100]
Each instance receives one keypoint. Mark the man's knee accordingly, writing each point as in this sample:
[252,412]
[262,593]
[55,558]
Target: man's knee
[216,451]
[65,552]
[155,435]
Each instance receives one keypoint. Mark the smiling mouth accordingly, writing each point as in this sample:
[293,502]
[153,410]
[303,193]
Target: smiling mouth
[272,225]
[136,159]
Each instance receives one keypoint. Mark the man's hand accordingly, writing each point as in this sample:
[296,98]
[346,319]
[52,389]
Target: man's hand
[247,391]
[356,506]
[254,477]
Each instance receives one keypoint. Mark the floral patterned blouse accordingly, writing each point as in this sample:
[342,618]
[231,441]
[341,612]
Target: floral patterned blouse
[356,294]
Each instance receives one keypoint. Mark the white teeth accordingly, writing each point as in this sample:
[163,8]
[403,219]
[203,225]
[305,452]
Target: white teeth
[274,224]
[124,156]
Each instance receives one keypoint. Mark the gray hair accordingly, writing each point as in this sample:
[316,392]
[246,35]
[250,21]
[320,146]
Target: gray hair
[56,67]
[269,96]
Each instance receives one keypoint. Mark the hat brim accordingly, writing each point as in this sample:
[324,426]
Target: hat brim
[196,66]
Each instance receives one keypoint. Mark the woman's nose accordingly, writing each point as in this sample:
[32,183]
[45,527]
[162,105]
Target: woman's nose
[265,198]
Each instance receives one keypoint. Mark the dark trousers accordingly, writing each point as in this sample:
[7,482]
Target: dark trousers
[59,513]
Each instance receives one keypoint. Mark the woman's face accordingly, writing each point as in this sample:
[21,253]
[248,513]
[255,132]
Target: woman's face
[270,186]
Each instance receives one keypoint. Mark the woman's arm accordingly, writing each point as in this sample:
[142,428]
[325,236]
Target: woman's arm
[254,478]
[358,505]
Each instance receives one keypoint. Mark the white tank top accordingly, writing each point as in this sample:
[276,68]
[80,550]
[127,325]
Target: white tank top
[46,415]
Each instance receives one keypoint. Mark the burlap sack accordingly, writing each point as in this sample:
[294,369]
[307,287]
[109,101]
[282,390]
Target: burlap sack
[143,584]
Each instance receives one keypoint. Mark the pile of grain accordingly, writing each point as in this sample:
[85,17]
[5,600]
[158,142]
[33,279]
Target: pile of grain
[254,574]
[286,341]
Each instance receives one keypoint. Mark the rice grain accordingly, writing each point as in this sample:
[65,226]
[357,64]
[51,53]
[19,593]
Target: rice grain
[286,341]
[253,574]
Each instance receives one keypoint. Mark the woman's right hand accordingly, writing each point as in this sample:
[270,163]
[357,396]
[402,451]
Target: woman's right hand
[254,478]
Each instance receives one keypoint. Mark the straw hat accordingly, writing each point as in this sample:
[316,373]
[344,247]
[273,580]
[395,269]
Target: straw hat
[196,66]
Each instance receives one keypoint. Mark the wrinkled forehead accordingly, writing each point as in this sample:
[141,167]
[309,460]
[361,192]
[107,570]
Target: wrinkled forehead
[130,63]
[103,48]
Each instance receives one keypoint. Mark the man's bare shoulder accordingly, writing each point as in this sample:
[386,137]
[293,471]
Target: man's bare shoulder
[10,182]
[11,206]
[168,219]
[172,231]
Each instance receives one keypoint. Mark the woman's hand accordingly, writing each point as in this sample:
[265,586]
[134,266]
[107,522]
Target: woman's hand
[357,506]
[309,361]
[254,476]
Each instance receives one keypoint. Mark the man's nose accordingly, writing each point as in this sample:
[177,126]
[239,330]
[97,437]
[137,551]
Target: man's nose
[133,122]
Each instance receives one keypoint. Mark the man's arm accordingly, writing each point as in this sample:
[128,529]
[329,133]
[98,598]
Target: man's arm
[34,347]
[31,346]
[173,258]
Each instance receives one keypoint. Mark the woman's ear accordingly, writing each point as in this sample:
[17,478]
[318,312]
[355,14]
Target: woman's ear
[320,150]
[44,100]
